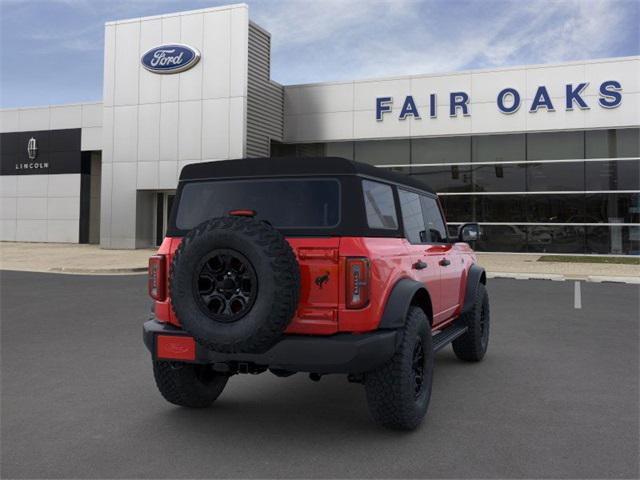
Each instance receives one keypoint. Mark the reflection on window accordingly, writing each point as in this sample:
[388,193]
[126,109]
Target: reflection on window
[381,210]
[451,178]
[556,239]
[501,208]
[459,208]
[383,152]
[613,143]
[310,203]
[499,178]
[542,177]
[613,207]
[555,208]
[499,148]
[434,224]
[613,240]
[555,145]
[441,150]
[502,238]
[412,217]
[613,175]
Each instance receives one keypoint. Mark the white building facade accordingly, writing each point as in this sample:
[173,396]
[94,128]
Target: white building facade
[545,157]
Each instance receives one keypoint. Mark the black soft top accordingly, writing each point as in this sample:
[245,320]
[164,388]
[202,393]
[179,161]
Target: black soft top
[294,166]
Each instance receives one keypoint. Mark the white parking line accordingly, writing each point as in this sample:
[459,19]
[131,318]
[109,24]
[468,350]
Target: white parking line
[577,296]
[561,278]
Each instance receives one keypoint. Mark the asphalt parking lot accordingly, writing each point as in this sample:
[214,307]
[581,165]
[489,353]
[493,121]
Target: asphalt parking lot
[557,396]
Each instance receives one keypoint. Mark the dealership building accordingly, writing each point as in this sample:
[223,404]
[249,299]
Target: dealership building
[545,158]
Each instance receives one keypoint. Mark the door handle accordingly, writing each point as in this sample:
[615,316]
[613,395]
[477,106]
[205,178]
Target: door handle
[444,262]
[419,265]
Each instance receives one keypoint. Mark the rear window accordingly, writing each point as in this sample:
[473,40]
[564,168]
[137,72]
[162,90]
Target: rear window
[285,203]
[379,204]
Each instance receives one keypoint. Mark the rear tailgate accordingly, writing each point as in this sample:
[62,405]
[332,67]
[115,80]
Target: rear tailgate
[319,286]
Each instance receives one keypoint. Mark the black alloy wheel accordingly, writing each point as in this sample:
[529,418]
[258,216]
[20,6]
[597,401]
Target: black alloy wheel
[225,285]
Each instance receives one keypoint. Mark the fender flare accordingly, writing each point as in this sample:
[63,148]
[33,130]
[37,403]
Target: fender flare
[399,301]
[475,276]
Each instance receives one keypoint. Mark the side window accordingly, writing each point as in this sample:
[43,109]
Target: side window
[436,231]
[381,209]
[412,217]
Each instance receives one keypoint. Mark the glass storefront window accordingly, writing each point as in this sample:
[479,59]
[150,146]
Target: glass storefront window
[567,208]
[445,178]
[383,152]
[555,145]
[499,148]
[613,207]
[613,175]
[440,150]
[613,240]
[556,239]
[532,177]
[543,177]
[612,143]
[502,238]
[458,208]
[501,208]
[499,178]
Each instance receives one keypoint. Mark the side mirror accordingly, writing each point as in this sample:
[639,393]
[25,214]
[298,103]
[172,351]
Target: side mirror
[469,232]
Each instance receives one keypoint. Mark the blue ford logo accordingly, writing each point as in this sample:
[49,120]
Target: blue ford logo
[172,58]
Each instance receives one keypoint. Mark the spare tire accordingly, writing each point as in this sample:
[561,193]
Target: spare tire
[234,284]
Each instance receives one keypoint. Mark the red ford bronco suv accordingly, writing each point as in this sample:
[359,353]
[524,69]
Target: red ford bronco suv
[318,265]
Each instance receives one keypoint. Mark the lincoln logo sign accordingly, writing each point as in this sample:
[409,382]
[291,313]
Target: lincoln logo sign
[32,154]
[32,149]
[508,101]
[172,58]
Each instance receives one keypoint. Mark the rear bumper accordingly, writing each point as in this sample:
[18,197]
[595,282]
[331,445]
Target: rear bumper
[339,353]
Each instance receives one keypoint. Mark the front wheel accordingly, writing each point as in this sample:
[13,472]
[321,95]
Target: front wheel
[398,393]
[188,385]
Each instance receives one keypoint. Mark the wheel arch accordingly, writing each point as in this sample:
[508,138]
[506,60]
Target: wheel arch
[477,275]
[404,294]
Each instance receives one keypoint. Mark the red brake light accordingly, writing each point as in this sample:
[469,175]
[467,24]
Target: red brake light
[157,277]
[242,212]
[357,282]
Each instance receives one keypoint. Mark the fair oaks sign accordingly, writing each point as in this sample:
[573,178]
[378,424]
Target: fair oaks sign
[508,100]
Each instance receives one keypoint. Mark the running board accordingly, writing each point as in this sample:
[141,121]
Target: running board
[446,336]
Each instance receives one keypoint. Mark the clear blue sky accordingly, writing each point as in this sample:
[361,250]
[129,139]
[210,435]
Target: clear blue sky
[51,50]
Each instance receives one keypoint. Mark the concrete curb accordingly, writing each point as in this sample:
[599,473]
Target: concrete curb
[562,278]
[600,278]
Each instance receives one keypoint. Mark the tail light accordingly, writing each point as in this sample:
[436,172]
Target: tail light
[357,282]
[157,277]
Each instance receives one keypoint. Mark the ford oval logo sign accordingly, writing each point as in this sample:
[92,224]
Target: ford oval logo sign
[171,58]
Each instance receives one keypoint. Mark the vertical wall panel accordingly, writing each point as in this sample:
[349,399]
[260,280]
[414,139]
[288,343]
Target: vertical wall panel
[149,83]
[126,63]
[216,63]
[191,33]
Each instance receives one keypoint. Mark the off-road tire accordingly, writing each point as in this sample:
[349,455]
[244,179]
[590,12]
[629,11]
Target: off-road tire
[188,385]
[277,275]
[391,391]
[472,346]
